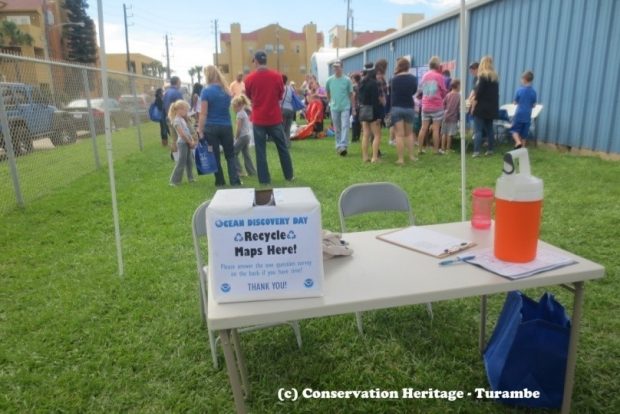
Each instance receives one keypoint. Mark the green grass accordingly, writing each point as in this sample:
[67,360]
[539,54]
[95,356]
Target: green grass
[49,168]
[77,338]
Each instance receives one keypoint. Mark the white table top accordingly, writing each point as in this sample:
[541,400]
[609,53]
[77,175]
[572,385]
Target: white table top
[381,275]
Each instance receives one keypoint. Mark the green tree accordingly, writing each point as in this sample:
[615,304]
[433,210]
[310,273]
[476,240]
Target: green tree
[11,36]
[158,69]
[192,72]
[80,36]
[198,72]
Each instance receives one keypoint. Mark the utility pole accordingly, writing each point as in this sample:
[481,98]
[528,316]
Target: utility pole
[216,48]
[346,43]
[167,59]
[127,39]
[278,46]
[352,28]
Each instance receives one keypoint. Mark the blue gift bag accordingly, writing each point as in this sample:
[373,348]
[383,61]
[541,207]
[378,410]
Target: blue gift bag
[529,349]
[205,159]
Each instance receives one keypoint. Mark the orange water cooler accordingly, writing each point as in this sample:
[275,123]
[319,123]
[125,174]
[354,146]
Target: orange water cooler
[518,208]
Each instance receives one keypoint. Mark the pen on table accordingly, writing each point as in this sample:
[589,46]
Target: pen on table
[457,260]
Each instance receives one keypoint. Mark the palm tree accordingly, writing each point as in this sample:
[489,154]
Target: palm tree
[192,72]
[11,36]
[198,70]
[160,70]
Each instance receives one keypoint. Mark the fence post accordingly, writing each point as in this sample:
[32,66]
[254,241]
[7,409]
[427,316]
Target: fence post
[91,121]
[8,147]
[136,120]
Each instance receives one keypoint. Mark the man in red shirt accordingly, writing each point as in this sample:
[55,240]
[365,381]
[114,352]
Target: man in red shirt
[265,89]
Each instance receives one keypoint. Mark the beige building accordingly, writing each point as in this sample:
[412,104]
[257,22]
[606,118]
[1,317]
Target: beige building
[287,51]
[140,65]
[46,31]
[338,34]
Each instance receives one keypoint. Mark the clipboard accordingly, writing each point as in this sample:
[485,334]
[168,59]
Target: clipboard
[426,241]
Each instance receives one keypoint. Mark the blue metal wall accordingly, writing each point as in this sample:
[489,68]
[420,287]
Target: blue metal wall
[573,47]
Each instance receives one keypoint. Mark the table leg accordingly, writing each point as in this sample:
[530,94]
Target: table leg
[233,372]
[483,323]
[243,370]
[569,379]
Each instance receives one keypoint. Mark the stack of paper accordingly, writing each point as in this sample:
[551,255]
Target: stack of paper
[545,260]
[426,241]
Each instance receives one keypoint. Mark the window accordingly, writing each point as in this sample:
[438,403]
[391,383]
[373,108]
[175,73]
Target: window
[268,48]
[19,20]
[297,49]
[224,68]
[251,50]
[280,48]
[302,69]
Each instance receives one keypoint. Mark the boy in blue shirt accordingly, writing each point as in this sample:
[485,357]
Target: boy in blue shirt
[525,99]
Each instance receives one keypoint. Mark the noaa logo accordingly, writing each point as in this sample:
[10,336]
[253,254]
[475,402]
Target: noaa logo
[308,283]
[219,223]
[225,287]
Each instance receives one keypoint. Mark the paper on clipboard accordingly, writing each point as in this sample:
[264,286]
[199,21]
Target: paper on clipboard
[426,241]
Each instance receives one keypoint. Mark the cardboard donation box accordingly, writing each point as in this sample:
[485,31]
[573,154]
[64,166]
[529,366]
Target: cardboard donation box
[264,244]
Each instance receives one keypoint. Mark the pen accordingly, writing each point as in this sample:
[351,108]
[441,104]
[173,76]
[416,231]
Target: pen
[457,260]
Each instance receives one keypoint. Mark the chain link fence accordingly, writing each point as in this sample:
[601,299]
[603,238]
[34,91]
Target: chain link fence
[52,123]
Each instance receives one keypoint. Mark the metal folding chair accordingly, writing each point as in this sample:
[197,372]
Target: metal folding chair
[199,230]
[374,197]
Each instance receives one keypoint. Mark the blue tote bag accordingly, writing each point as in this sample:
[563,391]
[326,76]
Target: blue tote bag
[528,349]
[205,159]
[298,105]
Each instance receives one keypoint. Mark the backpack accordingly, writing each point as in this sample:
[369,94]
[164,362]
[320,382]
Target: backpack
[155,114]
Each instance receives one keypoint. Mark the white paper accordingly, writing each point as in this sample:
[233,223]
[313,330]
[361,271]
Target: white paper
[545,260]
[426,241]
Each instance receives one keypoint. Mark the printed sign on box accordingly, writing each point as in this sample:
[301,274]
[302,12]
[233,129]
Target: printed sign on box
[263,252]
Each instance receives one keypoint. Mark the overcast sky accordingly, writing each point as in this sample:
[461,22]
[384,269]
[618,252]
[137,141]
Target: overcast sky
[189,22]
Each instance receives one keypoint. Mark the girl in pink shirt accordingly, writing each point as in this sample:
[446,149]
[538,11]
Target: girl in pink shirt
[433,91]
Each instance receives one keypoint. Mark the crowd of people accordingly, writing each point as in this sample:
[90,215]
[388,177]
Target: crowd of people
[422,113]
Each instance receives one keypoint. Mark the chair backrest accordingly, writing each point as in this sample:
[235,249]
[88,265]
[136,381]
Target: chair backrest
[536,110]
[372,197]
[510,109]
[199,229]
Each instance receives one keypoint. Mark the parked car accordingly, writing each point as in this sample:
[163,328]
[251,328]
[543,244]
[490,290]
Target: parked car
[79,111]
[139,103]
[31,116]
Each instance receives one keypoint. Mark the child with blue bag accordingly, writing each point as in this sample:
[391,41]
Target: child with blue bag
[185,142]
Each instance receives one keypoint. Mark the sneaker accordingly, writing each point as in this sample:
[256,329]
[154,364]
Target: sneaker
[392,143]
[343,152]
[290,180]
[488,153]
[441,152]
[475,155]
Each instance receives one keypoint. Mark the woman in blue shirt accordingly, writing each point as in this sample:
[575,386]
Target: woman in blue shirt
[215,125]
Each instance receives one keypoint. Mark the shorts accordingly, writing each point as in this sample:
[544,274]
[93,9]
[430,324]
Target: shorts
[402,114]
[521,128]
[432,116]
[449,128]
